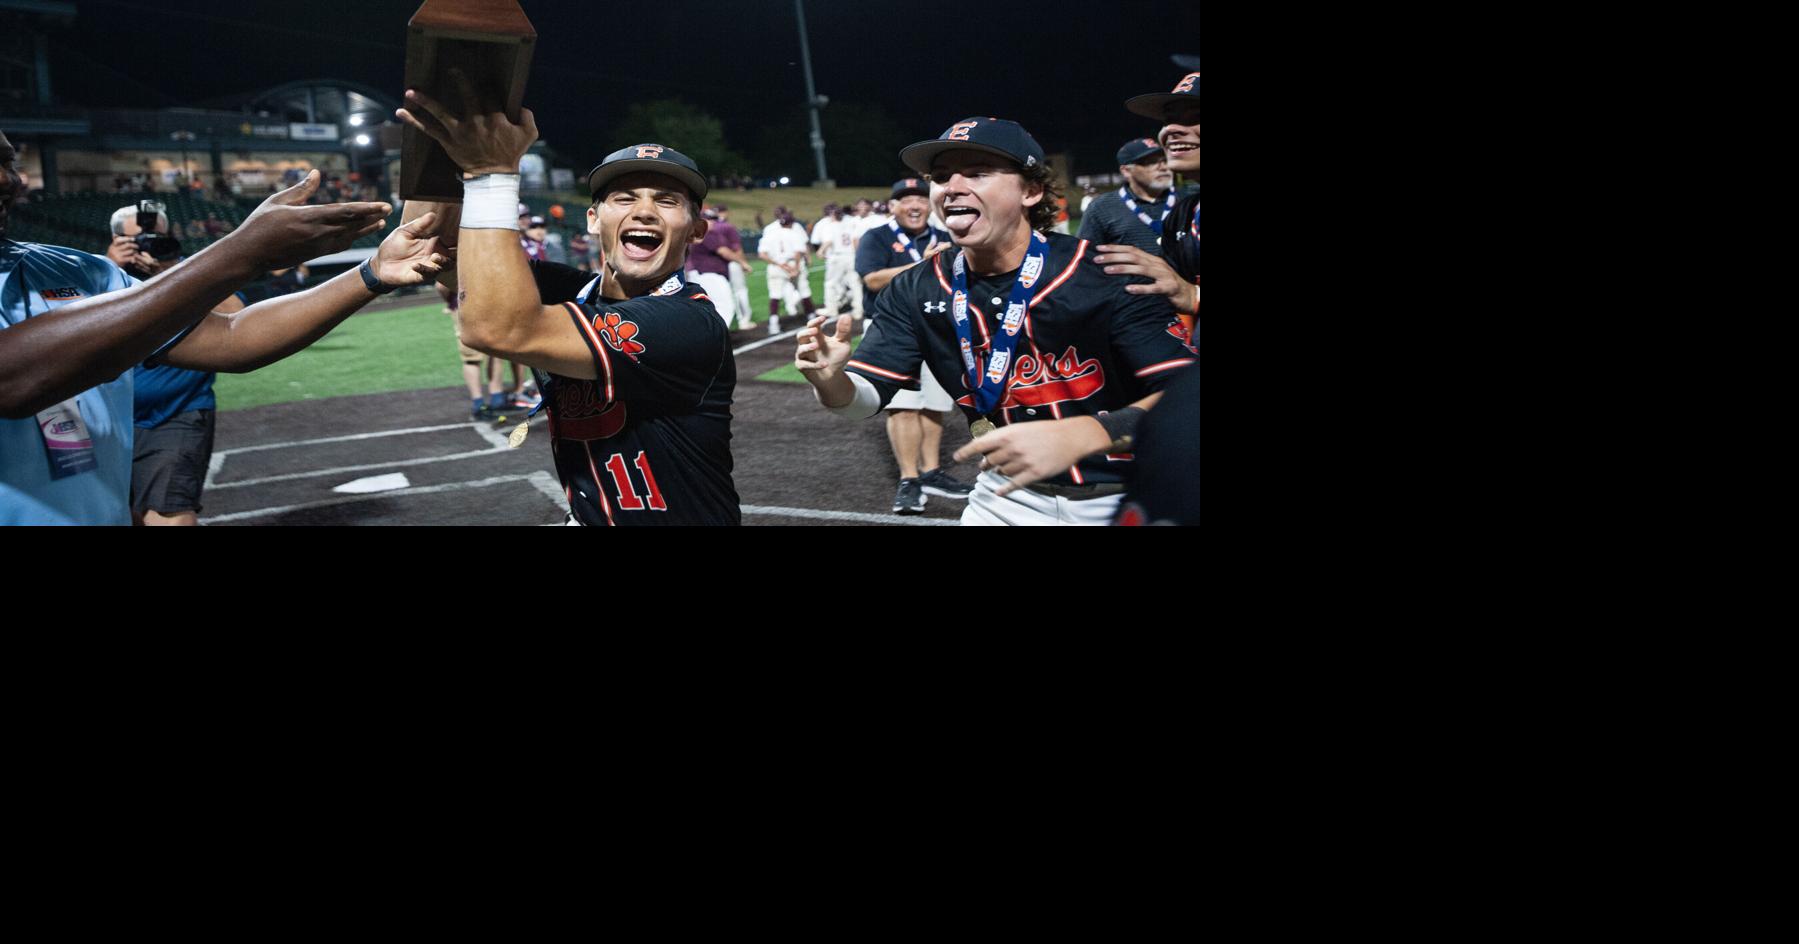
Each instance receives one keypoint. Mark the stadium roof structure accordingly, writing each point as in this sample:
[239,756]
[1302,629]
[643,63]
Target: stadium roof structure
[313,101]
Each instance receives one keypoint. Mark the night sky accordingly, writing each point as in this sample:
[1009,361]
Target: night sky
[1064,73]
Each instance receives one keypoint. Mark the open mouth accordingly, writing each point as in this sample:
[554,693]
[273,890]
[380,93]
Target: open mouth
[640,245]
[960,219]
[1181,147]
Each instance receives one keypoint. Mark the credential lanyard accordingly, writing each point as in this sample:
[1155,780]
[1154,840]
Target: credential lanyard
[908,246]
[1155,226]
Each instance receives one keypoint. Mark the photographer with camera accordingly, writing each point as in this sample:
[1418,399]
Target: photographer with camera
[175,408]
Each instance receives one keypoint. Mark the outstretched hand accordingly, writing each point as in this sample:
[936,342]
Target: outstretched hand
[410,257]
[819,355]
[284,232]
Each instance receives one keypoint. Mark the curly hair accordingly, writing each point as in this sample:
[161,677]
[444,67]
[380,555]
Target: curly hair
[1045,213]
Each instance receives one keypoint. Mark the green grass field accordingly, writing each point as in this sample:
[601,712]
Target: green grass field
[411,348]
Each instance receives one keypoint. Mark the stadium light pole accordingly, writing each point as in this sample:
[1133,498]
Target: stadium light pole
[813,100]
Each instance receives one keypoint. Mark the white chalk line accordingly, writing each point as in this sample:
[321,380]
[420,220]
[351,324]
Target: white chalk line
[857,516]
[353,499]
[767,341]
[498,441]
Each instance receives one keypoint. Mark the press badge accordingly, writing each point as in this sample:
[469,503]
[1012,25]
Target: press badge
[66,440]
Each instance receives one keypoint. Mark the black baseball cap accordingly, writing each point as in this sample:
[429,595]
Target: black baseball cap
[647,158]
[1007,139]
[1137,149]
[1160,105]
[911,185]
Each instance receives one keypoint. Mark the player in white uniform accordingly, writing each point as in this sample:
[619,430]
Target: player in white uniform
[786,249]
[836,237]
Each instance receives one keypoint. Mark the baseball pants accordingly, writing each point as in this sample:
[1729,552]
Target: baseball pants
[843,289]
[1025,507]
[718,289]
[789,291]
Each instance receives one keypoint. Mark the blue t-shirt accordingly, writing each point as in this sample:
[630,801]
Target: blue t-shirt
[35,280]
[166,392]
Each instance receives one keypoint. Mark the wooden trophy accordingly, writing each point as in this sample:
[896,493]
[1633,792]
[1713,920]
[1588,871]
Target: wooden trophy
[491,41]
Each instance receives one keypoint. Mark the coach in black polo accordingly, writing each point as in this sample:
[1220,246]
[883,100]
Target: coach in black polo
[1133,214]
[1062,356]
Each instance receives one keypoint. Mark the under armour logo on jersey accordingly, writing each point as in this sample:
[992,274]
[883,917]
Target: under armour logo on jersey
[1187,83]
[959,131]
[936,307]
[650,150]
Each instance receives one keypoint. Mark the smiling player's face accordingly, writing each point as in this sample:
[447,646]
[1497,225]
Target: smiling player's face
[645,223]
[1180,141]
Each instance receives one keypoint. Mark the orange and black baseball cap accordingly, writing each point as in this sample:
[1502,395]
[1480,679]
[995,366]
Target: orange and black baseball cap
[651,159]
[1160,106]
[997,136]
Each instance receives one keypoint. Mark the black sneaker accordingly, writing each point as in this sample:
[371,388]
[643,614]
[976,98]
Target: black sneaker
[937,482]
[909,500]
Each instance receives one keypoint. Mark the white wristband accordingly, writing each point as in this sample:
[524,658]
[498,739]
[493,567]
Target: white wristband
[490,202]
[866,403]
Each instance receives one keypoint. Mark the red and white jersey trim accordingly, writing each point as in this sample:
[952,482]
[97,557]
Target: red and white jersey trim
[890,375]
[1166,366]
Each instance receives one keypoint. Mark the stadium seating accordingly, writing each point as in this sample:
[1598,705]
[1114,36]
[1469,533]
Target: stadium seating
[83,220]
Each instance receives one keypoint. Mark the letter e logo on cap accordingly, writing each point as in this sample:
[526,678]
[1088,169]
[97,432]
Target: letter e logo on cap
[652,150]
[960,131]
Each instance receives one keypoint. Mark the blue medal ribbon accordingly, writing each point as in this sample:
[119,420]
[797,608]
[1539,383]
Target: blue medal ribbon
[908,246]
[1155,225]
[990,386]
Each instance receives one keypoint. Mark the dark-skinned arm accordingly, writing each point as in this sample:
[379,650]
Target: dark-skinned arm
[271,330]
[50,358]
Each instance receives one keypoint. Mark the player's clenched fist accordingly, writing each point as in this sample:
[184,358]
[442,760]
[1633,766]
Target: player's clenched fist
[820,355]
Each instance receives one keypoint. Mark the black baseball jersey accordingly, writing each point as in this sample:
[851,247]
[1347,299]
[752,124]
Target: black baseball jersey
[1180,237]
[880,249]
[1167,486]
[1088,346]
[649,442]
[1108,222]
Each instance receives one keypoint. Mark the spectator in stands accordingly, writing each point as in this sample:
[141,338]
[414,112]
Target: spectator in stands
[174,408]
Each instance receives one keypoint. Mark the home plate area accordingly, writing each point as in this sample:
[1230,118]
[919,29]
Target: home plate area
[413,458]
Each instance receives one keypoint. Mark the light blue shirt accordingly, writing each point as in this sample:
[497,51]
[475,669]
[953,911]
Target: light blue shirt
[35,280]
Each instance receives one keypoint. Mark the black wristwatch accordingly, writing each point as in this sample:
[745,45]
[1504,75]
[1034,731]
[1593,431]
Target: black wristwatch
[367,271]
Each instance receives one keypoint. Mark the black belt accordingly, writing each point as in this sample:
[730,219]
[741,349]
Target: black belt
[1079,492]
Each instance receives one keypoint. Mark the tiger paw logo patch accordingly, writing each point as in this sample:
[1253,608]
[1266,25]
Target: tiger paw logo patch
[619,333]
[1183,334]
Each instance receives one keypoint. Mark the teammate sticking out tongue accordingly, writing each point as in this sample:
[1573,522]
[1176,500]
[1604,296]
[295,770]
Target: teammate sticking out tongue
[1050,359]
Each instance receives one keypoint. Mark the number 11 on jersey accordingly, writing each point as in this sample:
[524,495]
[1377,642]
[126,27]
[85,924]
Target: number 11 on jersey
[628,499]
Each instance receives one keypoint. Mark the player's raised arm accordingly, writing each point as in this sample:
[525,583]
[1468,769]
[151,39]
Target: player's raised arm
[502,313]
